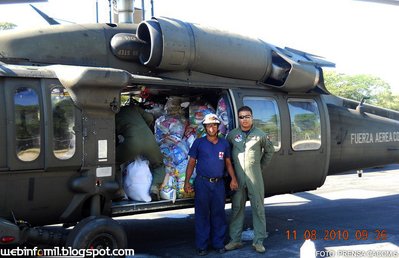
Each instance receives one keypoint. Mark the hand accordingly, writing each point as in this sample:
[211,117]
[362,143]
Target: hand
[233,184]
[187,187]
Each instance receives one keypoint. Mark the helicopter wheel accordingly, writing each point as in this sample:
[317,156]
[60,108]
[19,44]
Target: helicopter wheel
[97,233]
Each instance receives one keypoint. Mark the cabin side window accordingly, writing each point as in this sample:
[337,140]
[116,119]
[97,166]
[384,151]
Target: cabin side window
[63,123]
[266,117]
[305,124]
[27,124]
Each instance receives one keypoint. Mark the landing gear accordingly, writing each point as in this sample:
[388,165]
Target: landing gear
[97,233]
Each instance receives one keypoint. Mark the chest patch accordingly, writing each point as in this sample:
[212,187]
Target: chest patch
[238,138]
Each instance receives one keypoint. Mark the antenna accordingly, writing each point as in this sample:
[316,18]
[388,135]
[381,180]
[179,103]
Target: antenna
[360,107]
[48,19]
[143,10]
[97,11]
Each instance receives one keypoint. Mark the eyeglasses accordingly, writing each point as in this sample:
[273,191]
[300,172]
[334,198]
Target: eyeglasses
[244,117]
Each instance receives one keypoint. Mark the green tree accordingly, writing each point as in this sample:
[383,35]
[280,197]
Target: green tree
[357,86]
[7,26]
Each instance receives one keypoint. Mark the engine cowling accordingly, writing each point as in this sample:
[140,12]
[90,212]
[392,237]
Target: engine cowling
[176,45]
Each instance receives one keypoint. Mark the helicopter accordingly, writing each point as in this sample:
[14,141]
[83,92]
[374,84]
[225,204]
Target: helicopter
[62,86]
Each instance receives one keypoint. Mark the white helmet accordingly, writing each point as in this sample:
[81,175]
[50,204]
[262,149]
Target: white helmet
[210,119]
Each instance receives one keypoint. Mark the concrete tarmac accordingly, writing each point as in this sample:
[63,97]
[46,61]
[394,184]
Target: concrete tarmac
[349,216]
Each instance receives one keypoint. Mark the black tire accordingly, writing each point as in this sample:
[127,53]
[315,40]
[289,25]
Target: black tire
[97,233]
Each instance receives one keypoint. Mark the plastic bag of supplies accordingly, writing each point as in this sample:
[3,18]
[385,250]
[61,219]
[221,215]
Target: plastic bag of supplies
[137,181]
[168,192]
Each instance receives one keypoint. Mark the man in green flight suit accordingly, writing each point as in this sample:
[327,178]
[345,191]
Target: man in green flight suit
[251,150]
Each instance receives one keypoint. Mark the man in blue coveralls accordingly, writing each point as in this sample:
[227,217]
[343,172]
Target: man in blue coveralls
[210,155]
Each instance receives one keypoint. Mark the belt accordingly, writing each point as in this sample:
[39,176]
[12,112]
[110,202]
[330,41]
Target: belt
[211,179]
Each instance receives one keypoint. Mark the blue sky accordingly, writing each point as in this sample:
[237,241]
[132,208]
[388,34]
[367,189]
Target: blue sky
[360,37]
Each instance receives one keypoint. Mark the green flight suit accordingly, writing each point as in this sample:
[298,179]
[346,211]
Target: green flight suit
[250,152]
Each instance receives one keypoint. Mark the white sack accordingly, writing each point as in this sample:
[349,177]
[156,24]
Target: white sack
[137,181]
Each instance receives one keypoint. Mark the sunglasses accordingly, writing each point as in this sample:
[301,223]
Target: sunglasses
[244,117]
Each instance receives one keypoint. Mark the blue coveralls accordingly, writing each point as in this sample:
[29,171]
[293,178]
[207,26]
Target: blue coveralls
[210,217]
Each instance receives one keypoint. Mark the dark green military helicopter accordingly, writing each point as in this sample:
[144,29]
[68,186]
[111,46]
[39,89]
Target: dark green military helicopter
[61,87]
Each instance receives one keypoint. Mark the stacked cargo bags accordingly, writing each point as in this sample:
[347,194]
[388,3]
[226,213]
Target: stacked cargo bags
[224,114]
[169,132]
[133,128]
[174,134]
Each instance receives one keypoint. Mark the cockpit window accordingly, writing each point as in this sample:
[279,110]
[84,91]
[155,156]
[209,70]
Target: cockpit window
[305,124]
[27,124]
[266,117]
[63,123]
